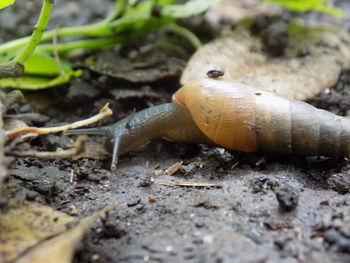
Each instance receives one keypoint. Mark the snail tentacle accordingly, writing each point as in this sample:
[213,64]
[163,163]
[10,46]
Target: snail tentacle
[115,155]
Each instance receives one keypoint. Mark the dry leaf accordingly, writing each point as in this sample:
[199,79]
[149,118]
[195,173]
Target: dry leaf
[40,234]
[174,168]
[23,226]
[144,67]
[312,62]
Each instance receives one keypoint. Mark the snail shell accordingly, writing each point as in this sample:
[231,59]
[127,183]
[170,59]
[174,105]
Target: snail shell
[243,118]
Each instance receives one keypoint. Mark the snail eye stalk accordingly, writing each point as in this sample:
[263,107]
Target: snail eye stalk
[116,144]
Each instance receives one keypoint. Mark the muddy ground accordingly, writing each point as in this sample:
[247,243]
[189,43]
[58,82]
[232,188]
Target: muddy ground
[263,208]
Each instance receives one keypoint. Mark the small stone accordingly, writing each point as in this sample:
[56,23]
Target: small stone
[73,210]
[152,199]
[199,224]
[339,182]
[276,38]
[198,241]
[140,207]
[95,257]
[148,181]
[287,198]
[133,201]
[208,239]
[169,249]
[324,202]
[31,195]
[93,177]
[157,172]
[113,230]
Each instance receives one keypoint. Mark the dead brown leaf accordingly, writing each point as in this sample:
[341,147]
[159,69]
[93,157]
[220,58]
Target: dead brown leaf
[278,225]
[174,168]
[23,226]
[187,184]
[148,64]
[312,62]
[35,233]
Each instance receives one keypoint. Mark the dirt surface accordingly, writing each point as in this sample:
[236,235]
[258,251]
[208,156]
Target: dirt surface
[262,208]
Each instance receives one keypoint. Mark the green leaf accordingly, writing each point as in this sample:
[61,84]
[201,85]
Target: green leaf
[41,63]
[41,72]
[36,83]
[308,5]
[4,3]
[190,8]
[140,20]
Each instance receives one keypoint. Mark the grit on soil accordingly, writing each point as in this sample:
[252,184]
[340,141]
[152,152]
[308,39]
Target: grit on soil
[256,208]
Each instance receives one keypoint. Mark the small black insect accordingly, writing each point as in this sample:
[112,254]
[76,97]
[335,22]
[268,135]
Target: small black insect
[215,73]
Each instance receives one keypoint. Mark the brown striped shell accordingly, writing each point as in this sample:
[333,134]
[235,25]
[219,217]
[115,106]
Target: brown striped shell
[239,117]
[223,111]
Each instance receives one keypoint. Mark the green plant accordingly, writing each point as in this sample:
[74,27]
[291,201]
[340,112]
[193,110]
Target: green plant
[38,61]
[5,3]
[125,22]
[15,67]
[307,5]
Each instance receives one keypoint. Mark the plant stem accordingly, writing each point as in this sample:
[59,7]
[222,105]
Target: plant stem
[38,32]
[154,3]
[94,30]
[55,54]
[118,11]
[192,38]
[97,29]
[81,44]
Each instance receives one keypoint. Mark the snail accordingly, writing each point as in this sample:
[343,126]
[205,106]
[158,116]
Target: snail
[235,116]
[251,107]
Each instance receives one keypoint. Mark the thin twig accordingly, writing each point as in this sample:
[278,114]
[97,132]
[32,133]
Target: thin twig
[77,148]
[184,32]
[118,11]
[94,43]
[55,53]
[104,112]
[186,184]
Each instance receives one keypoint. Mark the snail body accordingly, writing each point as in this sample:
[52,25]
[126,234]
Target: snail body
[234,116]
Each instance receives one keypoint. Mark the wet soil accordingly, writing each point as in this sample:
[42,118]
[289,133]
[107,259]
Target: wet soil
[263,208]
